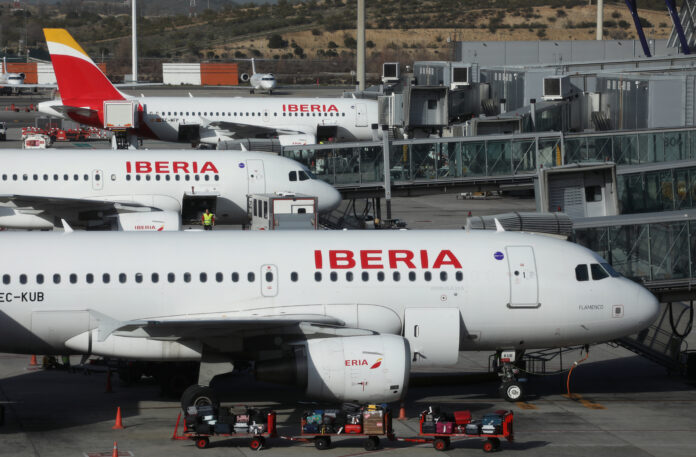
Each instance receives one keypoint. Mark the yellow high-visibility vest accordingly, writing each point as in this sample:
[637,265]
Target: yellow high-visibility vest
[207,219]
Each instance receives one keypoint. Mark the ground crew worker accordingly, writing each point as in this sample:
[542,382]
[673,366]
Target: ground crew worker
[208,220]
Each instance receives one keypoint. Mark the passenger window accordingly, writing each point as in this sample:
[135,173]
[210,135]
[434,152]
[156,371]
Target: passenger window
[459,276]
[397,276]
[581,273]
[235,277]
[349,276]
[138,278]
[269,276]
[411,275]
[39,279]
[293,176]
[22,279]
[334,276]
[89,277]
[171,277]
[251,277]
[155,277]
[5,279]
[317,276]
[187,277]
[106,278]
[218,277]
[265,210]
[443,276]
[293,276]
[56,279]
[427,276]
[73,278]
[365,276]
[380,276]
[203,277]
[598,272]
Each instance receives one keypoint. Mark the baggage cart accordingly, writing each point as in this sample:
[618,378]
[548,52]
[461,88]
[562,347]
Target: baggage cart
[257,437]
[499,428]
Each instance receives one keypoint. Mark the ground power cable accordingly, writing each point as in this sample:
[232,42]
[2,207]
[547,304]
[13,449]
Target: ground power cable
[575,364]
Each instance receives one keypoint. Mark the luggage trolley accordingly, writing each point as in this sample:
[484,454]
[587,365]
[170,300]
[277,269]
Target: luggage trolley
[205,422]
[372,422]
[493,427]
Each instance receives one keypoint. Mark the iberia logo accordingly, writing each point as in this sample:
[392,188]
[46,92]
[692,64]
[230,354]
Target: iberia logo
[376,364]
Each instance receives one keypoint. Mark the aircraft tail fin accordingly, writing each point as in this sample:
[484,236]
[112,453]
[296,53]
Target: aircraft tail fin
[253,67]
[80,81]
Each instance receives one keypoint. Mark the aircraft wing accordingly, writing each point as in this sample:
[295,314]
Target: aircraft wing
[75,110]
[241,130]
[57,206]
[210,328]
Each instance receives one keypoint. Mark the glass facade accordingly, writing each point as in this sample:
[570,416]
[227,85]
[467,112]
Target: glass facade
[657,190]
[645,252]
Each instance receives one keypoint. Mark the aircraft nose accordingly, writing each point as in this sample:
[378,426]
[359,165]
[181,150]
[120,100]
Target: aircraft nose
[648,307]
[329,198]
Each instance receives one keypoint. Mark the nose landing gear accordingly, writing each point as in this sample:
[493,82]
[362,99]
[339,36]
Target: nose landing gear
[511,387]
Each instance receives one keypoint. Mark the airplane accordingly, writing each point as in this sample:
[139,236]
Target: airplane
[210,120]
[259,81]
[144,190]
[345,315]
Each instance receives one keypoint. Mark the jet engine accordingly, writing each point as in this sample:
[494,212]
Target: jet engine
[373,368]
[17,219]
[244,77]
[152,221]
[302,139]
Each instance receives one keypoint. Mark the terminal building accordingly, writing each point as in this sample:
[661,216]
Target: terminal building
[602,131]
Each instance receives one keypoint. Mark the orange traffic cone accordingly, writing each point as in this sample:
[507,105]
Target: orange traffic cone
[108,382]
[114,453]
[33,361]
[119,423]
[402,413]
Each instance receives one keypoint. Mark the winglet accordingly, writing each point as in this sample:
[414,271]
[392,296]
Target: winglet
[498,226]
[190,95]
[66,226]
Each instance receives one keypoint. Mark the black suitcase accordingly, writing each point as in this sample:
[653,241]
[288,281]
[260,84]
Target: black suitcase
[204,429]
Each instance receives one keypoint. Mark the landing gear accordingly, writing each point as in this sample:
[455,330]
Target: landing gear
[199,396]
[511,388]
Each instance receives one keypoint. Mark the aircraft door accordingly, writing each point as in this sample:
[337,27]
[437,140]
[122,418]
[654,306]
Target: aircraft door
[433,334]
[269,280]
[255,176]
[524,284]
[360,115]
[97,180]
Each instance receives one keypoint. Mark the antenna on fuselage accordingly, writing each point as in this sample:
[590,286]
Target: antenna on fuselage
[66,226]
[498,226]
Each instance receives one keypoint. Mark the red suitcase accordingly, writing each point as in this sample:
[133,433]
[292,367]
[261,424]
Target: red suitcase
[353,428]
[462,417]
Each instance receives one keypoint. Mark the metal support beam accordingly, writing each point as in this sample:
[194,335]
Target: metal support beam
[633,7]
[672,7]
[386,149]
[361,45]
[600,20]
[134,26]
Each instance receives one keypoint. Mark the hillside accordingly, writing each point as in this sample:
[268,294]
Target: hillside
[315,35]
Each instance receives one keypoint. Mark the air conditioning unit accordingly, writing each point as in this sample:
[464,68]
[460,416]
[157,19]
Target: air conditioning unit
[390,72]
[556,87]
[461,77]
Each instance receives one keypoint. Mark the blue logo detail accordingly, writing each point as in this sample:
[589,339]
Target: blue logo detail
[241,164]
[498,256]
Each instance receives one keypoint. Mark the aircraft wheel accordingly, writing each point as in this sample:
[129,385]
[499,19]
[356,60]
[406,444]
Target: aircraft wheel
[512,391]
[199,396]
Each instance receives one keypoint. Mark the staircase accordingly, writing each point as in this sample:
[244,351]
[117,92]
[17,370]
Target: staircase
[657,345]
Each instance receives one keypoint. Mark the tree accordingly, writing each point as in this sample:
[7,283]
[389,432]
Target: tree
[276,41]
[350,42]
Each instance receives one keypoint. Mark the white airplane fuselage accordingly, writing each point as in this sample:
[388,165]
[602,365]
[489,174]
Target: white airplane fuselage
[510,290]
[157,179]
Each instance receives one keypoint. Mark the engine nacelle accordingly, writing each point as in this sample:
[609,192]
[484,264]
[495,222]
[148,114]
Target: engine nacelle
[359,369]
[244,77]
[152,221]
[294,140]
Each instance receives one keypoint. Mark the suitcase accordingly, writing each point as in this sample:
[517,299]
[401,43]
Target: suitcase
[310,428]
[314,419]
[353,428]
[472,428]
[206,410]
[493,419]
[191,410]
[327,420]
[203,429]
[489,430]
[223,429]
[444,427]
[242,418]
[428,427]
[257,429]
[354,418]
[462,417]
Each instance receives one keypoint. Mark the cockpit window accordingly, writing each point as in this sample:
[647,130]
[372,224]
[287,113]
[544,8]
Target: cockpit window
[598,272]
[581,273]
[609,269]
[309,173]
[303,175]
[293,176]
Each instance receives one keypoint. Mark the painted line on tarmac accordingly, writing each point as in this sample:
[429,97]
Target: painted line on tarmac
[525,405]
[586,403]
